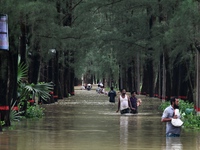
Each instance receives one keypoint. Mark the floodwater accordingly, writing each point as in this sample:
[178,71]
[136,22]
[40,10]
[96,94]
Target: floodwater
[87,121]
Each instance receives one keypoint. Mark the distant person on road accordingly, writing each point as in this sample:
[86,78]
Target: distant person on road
[112,94]
[99,89]
[100,84]
[168,114]
[124,103]
[89,86]
[82,87]
[103,91]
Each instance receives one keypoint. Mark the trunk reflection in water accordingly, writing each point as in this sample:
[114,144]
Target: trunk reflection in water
[89,122]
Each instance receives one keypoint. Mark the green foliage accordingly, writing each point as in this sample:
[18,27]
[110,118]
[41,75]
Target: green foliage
[2,123]
[191,121]
[184,105]
[26,91]
[164,105]
[14,114]
[34,112]
[40,89]
[22,71]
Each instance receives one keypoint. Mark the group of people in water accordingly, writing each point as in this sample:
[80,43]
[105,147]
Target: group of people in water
[101,90]
[126,104]
[86,87]
[130,104]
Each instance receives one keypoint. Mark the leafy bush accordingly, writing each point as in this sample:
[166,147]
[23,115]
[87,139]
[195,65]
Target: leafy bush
[183,105]
[34,112]
[164,105]
[191,121]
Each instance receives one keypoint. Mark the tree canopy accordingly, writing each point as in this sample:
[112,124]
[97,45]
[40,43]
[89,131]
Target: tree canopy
[140,45]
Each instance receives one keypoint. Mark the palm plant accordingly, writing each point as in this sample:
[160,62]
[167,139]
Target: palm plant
[22,71]
[40,89]
[29,90]
[14,114]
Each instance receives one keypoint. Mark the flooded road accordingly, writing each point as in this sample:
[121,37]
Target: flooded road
[87,121]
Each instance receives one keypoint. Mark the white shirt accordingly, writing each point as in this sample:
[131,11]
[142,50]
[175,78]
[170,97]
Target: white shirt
[123,102]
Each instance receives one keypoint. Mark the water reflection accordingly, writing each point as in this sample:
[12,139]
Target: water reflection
[173,143]
[6,142]
[123,132]
[92,124]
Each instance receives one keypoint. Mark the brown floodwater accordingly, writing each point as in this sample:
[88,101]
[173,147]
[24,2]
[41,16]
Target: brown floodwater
[87,121]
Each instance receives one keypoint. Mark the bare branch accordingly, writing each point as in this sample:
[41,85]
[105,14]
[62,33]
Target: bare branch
[127,42]
[108,4]
[68,37]
[76,5]
[66,15]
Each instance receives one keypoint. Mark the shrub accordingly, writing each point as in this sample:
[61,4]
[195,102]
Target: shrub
[183,105]
[34,112]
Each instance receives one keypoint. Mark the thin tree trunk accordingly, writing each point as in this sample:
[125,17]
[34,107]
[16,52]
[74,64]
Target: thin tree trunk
[120,78]
[138,73]
[130,77]
[163,79]
[197,102]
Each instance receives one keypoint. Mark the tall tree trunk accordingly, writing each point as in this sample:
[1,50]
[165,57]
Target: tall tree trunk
[197,101]
[34,68]
[129,74]
[70,70]
[12,83]
[4,79]
[61,82]
[120,78]
[138,73]
[22,49]
[160,78]
[66,83]
[163,78]
[148,78]
[8,82]
[56,74]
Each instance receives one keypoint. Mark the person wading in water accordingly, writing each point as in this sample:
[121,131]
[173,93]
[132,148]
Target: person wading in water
[168,114]
[124,103]
[112,95]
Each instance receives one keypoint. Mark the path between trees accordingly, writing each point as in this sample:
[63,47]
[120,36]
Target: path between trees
[149,105]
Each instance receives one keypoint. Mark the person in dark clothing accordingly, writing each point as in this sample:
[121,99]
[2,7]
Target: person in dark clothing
[112,95]
[133,101]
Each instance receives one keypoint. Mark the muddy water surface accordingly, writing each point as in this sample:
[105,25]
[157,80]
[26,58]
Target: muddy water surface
[87,121]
